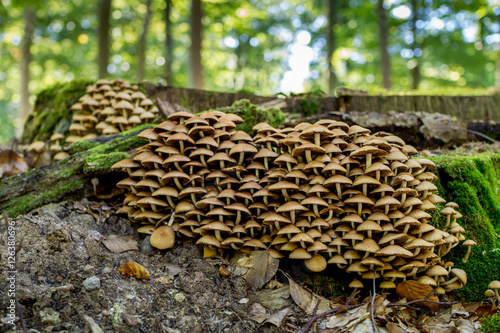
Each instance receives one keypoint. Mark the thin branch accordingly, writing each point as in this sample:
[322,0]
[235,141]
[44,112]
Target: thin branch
[372,306]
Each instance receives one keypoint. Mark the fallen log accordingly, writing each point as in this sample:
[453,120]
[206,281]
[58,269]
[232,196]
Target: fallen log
[73,178]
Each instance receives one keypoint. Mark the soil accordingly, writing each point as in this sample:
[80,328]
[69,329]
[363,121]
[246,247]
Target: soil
[61,248]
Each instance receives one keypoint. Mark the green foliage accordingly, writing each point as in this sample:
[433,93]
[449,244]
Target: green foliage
[309,106]
[252,115]
[491,324]
[99,162]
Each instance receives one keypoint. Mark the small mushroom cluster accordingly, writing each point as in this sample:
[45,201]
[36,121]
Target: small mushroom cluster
[108,107]
[326,193]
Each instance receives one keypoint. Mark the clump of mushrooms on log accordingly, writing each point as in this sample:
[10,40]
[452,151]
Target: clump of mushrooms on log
[326,193]
[108,107]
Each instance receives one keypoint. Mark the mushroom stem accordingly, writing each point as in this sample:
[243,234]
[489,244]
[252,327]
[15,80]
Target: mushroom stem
[292,217]
[285,194]
[242,157]
[368,161]
[467,254]
[218,236]
[178,184]
[181,146]
[308,156]
[339,192]
[448,219]
[317,139]
[498,296]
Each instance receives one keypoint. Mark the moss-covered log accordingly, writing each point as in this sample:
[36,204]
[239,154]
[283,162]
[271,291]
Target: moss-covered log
[473,183]
[70,178]
[51,112]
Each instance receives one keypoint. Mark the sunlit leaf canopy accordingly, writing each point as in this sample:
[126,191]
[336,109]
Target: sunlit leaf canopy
[257,46]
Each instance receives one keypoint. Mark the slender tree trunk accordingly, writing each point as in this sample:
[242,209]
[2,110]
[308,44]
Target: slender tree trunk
[103,33]
[415,72]
[141,48]
[168,43]
[384,43]
[196,33]
[29,29]
[331,6]
[497,71]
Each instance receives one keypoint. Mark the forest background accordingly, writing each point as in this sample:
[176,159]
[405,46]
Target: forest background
[258,46]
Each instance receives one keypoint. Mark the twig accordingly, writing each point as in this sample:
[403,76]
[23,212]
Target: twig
[372,306]
[335,309]
[422,300]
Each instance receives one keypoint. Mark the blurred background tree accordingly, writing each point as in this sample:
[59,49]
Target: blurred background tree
[256,46]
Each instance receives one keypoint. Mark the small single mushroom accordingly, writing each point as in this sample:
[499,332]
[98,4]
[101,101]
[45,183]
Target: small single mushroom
[495,285]
[316,263]
[490,294]
[470,243]
[163,237]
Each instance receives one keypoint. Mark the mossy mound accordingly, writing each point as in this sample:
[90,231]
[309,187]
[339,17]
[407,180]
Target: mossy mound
[51,112]
[472,182]
[252,115]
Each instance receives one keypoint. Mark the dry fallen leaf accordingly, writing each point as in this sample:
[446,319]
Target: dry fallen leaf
[413,290]
[393,328]
[11,163]
[257,313]
[307,300]
[133,269]
[262,268]
[277,318]
[486,311]
[119,244]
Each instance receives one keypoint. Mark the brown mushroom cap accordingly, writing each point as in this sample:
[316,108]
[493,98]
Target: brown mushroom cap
[163,238]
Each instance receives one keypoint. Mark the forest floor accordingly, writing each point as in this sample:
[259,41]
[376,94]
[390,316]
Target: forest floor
[67,281]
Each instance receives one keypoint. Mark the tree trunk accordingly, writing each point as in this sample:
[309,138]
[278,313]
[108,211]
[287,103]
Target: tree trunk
[29,29]
[103,33]
[168,43]
[331,6]
[141,47]
[384,36]
[415,72]
[196,33]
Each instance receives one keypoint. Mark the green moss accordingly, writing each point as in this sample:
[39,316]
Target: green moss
[98,162]
[309,106]
[253,115]
[471,182]
[491,324]
[51,112]
[29,202]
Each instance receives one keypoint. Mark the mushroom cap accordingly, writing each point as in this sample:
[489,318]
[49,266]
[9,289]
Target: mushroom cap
[489,293]
[316,263]
[494,285]
[163,237]
[469,242]
[394,250]
[37,146]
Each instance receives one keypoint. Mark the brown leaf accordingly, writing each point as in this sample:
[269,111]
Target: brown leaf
[133,269]
[277,318]
[11,163]
[119,244]
[257,313]
[307,300]
[262,268]
[413,290]
[393,328]
[485,311]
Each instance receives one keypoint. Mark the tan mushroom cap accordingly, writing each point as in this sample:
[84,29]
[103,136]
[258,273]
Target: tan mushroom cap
[316,263]
[163,238]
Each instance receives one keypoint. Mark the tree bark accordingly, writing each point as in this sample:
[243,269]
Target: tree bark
[415,72]
[141,47]
[29,29]
[196,38]
[103,33]
[384,36]
[168,43]
[331,6]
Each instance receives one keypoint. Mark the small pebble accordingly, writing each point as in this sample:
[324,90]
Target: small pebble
[243,301]
[92,283]
[130,320]
[146,246]
[105,313]
[107,270]
[88,269]
[180,297]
